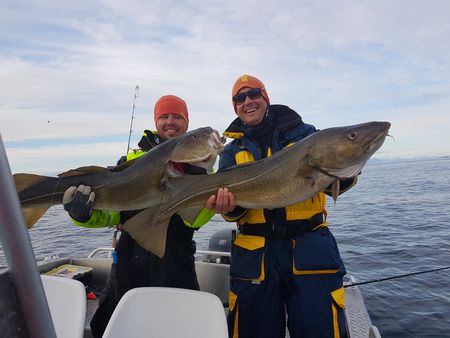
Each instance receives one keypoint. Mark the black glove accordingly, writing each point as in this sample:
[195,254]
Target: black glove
[78,202]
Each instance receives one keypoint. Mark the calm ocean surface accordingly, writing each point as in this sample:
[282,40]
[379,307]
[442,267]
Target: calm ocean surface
[394,221]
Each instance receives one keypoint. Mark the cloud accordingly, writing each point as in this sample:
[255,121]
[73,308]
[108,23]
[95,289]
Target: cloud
[52,160]
[69,69]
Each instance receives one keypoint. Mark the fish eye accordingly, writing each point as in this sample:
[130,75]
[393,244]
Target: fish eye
[353,135]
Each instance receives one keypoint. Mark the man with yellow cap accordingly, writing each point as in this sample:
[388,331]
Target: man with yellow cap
[284,261]
[133,266]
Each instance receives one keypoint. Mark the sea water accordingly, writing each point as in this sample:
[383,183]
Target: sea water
[394,221]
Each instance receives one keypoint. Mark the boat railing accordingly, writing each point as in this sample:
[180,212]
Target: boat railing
[217,253]
[101,250]
[109,251]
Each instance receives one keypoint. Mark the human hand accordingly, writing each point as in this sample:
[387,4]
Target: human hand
[222,202]
[78,202]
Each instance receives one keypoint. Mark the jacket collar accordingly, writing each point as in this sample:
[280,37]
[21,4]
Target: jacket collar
[149,140]
[282,117]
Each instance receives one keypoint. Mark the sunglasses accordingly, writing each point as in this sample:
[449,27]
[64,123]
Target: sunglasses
[253,94]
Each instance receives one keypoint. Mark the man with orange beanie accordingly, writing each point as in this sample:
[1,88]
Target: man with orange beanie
[133,266]
[284,261]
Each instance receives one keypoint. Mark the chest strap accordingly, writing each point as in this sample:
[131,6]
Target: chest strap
[278,231]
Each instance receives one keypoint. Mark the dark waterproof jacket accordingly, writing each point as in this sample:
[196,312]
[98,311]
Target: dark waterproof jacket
[136,267]
[281,127]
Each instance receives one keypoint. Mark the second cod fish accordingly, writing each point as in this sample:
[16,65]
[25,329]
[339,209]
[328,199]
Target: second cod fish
[288,177]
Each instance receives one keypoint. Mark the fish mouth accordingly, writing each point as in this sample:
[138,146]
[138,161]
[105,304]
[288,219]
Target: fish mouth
[218,141]
[177,169]
[373,145]
[201,159]
[344,173]
[371,139]
[205,158]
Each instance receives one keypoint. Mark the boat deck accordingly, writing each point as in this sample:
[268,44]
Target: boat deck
[213,278]
[92,306]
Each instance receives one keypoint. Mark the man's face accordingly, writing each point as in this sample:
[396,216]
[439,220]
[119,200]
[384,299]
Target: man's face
[251,111]
[170,125]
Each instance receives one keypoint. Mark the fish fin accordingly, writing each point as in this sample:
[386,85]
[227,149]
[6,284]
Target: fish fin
[343,173]
[190,214]
[306,172]
[93,169]
[335,188]
[24,181]
[123,165]
[32,215]
[151,236]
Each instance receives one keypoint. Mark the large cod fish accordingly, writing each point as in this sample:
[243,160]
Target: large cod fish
[134,185]
[288,177]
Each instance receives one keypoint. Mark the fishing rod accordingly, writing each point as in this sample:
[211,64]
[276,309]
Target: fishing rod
[136,95]
[398,276]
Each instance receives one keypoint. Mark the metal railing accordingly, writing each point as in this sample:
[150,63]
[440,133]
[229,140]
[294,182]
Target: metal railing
[18,250]
[109,251]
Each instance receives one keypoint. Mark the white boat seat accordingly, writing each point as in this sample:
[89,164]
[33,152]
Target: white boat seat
[167,313]
[67,302]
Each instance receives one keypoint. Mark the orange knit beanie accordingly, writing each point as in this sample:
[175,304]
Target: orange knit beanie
[171,104]
[250,82]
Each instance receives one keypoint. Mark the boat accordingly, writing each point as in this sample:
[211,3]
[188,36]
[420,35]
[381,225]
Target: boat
[57,298]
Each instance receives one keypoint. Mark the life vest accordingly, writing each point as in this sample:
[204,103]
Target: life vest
[289,128]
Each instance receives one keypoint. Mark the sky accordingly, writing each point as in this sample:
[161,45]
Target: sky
[69,70]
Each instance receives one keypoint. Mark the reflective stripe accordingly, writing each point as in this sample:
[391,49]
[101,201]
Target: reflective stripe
[232,297]
[244,157]
[263,271]
[313,272]
[335,322]
[303,210]
[306,209]
[233,134]
[229,218]
[135,154]
[202,218]
[232,301]
[253,216]
[249,242]
[339,299]
[99,219]
[236,324]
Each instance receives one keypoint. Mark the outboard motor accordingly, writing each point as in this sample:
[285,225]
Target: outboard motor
[220,241]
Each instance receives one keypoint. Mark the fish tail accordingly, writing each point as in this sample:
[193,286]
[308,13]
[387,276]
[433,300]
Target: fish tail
[32,215]
[25,181]
[147,233]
